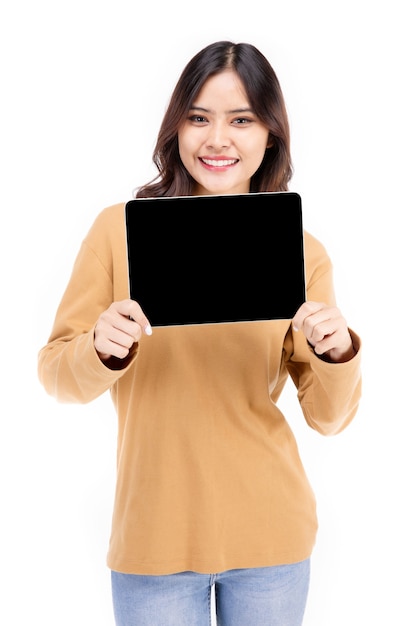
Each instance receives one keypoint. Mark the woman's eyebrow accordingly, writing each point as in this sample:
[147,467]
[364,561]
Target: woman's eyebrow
[240,110]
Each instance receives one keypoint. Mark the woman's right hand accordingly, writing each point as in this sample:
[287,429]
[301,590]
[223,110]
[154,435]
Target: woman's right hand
[118,328]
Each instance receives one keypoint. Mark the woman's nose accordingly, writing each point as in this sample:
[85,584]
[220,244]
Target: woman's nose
[218,136]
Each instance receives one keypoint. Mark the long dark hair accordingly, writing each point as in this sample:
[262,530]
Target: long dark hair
[266,99]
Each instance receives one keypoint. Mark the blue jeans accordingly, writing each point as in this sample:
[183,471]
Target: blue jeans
[265,596]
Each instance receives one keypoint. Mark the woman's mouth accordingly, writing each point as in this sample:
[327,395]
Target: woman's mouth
[218,163]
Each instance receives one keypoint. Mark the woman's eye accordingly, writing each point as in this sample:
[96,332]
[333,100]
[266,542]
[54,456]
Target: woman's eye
[197,118]
[242,120]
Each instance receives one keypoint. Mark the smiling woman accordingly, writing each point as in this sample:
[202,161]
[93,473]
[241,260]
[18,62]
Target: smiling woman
[211,492]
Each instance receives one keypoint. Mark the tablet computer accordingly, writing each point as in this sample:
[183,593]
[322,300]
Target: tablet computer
[216,259]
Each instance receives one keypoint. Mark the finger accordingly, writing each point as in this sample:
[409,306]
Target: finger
[318,326]
[112,321]
[324,344]
[112,344]
[123,337]
[338,341]
[111,339]
[131,309]
[306,309]
[107,348]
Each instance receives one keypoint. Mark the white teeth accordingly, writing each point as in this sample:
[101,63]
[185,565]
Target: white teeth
[218,163]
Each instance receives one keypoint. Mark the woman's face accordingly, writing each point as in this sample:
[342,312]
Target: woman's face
[222,142]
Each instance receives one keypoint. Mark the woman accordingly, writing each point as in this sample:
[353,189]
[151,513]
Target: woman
[211,492]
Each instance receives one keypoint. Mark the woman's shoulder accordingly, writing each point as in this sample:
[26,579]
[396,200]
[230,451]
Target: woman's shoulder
[110,215]
[108,227]
[109,218]
[313,246]
[316,255]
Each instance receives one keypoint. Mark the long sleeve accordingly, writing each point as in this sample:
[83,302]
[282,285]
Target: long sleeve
[68,366]
[329,393]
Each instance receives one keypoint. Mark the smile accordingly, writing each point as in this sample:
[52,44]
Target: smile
[219,162]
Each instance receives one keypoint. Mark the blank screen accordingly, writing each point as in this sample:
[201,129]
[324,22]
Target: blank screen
[216,259]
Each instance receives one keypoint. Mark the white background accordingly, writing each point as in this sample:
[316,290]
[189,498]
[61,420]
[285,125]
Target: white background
[84,88]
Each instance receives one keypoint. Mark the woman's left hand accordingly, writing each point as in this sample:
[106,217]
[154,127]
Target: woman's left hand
[326,330]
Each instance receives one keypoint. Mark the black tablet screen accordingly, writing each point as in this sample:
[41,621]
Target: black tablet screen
[216,259]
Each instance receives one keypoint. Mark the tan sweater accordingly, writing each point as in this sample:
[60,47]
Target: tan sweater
[208,472]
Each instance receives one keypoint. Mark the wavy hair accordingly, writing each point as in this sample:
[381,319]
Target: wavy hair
[266,99]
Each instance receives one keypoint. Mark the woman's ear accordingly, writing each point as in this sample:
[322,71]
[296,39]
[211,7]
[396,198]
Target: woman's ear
[270,142]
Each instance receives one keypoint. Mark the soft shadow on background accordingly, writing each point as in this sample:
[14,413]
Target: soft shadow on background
[85,85]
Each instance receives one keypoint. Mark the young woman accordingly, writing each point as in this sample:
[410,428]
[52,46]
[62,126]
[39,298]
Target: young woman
[210,490]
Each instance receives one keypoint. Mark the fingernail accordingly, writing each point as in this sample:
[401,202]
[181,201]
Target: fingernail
[148,330]
[295,328]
